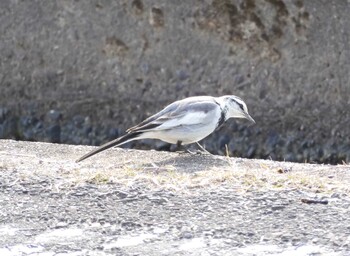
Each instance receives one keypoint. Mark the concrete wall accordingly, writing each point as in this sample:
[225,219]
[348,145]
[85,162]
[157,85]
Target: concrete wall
[84,71]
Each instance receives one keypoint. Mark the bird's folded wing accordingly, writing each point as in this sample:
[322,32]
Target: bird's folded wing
[179,114]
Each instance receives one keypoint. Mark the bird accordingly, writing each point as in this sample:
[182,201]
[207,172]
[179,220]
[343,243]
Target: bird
[183,122]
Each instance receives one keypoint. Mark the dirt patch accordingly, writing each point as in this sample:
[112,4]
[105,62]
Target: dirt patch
[127,202]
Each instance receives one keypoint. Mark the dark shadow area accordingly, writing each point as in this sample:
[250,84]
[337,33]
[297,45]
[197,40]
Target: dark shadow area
[193,162]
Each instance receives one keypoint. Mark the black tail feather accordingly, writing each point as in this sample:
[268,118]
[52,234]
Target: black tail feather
[121,140]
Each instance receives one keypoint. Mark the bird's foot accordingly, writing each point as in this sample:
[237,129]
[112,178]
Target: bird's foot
[203,150]
[197,152]
[184,150]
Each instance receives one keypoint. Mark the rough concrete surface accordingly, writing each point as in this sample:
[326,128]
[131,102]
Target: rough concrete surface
[81,72]
[134,202]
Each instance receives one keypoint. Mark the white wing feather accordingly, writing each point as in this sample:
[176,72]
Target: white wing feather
[188,119]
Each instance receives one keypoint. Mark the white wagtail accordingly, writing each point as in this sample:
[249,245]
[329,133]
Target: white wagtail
[184,121]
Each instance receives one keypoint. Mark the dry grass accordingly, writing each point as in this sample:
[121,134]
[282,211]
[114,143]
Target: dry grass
[163,170]
[243,178]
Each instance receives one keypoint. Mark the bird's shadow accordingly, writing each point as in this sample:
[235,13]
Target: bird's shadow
[193,163]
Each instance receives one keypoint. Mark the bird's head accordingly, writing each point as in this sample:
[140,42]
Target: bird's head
[235,107]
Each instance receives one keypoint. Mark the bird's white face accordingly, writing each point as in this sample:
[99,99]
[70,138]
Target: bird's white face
[237,108]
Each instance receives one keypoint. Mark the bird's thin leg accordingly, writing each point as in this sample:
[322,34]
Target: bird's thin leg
[202,148]
[182,149]
[179,146]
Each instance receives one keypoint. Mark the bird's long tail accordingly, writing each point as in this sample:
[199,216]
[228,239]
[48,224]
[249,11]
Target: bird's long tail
[117,142]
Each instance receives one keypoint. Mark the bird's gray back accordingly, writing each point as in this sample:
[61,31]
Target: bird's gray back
[177,110]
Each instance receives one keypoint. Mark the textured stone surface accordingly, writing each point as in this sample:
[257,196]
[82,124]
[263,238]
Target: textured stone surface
[106,65]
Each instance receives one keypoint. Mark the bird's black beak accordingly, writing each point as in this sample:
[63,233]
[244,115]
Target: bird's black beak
[250,119]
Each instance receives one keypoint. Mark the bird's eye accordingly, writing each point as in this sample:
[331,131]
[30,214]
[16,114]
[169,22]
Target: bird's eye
[238,103]
[240,106]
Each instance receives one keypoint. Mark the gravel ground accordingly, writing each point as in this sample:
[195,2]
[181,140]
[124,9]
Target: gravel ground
[130,202]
